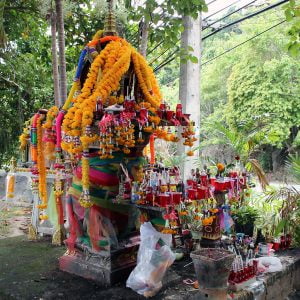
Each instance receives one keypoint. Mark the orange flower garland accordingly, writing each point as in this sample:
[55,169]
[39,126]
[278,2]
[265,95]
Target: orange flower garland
[51,115]
[41,169]
[24,137]
[103,79]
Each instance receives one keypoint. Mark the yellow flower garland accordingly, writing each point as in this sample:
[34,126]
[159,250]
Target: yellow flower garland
[41,165]
[51,115]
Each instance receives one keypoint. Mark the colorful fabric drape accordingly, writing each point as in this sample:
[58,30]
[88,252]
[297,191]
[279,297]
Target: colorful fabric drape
[105,220]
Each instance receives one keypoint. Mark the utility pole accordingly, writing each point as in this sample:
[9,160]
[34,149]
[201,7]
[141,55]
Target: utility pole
[189,83]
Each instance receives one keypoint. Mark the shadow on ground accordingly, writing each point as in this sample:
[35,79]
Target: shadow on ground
[29,270]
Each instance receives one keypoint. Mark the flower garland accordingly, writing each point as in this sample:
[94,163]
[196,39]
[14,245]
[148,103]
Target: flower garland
[24,137]
[41,169]
[84,200]
[49,136]
[103,79]
[152,96]
[51,115]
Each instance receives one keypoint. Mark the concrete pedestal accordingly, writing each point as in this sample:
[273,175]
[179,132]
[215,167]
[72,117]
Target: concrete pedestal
[105,268]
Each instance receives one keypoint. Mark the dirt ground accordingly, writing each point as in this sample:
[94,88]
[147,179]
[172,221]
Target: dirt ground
[29,270]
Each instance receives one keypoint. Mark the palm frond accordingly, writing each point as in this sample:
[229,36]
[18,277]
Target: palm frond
[259,172]
[293,164]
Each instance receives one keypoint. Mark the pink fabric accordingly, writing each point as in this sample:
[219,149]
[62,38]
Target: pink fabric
[35,119]
[98,177]
[59,119]
[74,228]
[94,228]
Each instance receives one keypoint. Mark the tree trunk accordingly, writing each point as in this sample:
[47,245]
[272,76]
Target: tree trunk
[144,38]
[61,48]
[276,159]
[189,83]
[3,37]
[54,60]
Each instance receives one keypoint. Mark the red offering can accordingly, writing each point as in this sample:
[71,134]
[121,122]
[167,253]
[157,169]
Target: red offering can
[179,111]
[163,200]
[220,185]
[276,246]
[204,180]
[212,181]
[233,174]
[176,197]
[162,106]
[170,114]
[202,193]
[190,182]
[149,198]
[288,240]
[228,183]
[192,194]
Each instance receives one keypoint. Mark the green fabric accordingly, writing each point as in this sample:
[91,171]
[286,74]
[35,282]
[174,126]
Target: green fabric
[52,209]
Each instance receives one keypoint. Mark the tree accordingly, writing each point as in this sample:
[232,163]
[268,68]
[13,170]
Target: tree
[61,48]
[272,91]
[54,58]
[292,14]
[254,80]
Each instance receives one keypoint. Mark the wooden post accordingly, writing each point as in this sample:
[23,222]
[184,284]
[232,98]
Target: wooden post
[189,83]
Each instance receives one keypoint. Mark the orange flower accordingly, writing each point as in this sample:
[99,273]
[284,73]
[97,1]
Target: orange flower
[220,167]
[190,153]
[183,213]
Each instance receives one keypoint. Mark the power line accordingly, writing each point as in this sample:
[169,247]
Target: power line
[161,42]
[245,18]
[211,2]
[228,15]
[255,36]
[221,10]
[228,25]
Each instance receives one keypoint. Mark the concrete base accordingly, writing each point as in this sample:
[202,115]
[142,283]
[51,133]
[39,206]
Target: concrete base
[106,267]
[88,269]
[213,294]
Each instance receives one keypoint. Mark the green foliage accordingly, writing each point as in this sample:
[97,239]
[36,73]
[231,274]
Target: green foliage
[25,72]
[292,15]
[165,18]
[257,81]
[293,165]
[245,214]
[269,90]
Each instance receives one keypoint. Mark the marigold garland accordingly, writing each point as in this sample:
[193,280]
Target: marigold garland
[41,166]
[24,137]
[51,115]
[103,79]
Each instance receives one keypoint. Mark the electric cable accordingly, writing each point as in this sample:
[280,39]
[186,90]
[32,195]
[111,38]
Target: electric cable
[228,25]
[250,39]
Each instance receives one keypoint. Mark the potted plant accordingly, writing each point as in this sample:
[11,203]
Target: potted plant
[244,218]
[191,218]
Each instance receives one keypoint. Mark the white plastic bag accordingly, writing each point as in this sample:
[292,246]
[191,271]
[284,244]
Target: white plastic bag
[269,264]
[154,258]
